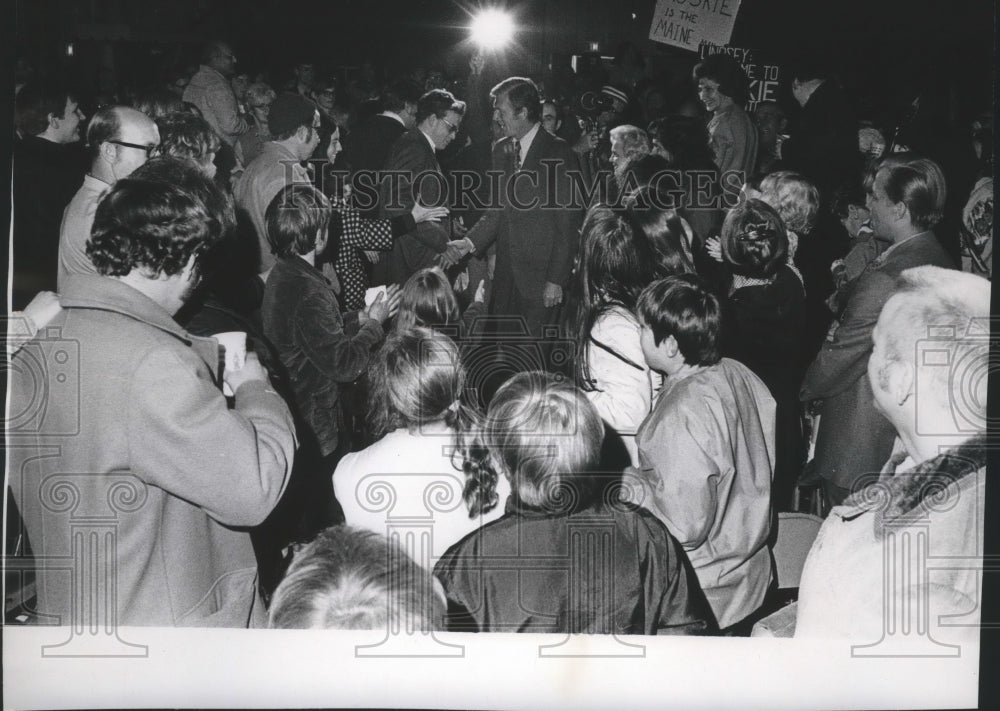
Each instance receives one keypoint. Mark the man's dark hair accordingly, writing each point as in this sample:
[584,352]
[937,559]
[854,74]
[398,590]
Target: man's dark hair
[727,72]
[684,307]
[847,194]
[522,94]
[213,49]
[399,93]
[105,124]
[294,218]
[157,218]
[35,102]
[185,135]
[917,182]
[438,102]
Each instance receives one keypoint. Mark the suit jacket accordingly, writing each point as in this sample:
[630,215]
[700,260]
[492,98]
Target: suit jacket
[854,439]
[824,141]
[536,240]
[412,154]
[372,141]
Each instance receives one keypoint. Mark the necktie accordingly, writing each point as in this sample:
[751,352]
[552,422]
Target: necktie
[517,154]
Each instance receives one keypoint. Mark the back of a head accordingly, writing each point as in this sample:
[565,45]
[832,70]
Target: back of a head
[616,258]
[104,125]
[415,379]
[438,102]
[919,183]
[294,219]
[754,241]
[399,93]
[685,308]
[795,198]
[158,218]
[157,102]
[352,579]
[184,135]
[35,102]
[653,211]
[547,437]
[427,299]
[687,141]
[944,314]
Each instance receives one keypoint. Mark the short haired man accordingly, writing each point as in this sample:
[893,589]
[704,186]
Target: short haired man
[535,245]
[551,117]
[48,167]
[211,91]
[905,202]
[302,318]
[294,124]
[439,115]
[152,445]
[707,449]
[931,347]
[120,140]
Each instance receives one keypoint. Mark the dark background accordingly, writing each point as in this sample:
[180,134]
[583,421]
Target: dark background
[884,52]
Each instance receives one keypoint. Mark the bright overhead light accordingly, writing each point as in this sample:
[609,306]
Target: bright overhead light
[492,29]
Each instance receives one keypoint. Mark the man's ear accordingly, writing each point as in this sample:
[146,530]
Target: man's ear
[899,210]
[900,380]
[670,344]
[54,121]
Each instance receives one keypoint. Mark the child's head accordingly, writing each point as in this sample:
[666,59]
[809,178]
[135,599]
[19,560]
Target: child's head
[794,197]
[426,299]
[685,309]
[352,579]
[754,242]
[848,205]
[415,379]
[546,437]
[297,221]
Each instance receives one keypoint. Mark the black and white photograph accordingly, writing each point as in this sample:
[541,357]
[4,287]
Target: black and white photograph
[338,331]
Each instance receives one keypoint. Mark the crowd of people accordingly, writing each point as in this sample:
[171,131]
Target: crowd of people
[508,356]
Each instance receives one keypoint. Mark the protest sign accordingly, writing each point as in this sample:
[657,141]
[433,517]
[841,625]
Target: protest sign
[688,23]
[764,76]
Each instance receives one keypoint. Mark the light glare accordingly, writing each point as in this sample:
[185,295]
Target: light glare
[492,29]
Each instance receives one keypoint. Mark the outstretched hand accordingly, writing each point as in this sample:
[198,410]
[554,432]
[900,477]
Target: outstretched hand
[422,213]
[454,252]
[384,307]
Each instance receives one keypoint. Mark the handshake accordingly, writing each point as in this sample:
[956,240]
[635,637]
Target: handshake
[455,252]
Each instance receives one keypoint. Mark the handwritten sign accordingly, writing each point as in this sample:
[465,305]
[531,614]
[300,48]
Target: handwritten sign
[764,77]
[688,23]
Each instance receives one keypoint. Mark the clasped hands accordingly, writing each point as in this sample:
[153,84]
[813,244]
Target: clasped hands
[455,251]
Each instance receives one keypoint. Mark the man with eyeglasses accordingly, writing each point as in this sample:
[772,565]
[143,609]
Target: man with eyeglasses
[294,124]
[120,140]
[439,115]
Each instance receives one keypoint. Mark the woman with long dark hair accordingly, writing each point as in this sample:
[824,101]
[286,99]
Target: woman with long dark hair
[424,455]
[617,260]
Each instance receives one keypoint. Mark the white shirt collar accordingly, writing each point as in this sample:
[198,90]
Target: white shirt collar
[429,140]
[526,141]
[394,115]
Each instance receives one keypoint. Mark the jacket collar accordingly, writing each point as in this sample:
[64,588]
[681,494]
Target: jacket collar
[904,495]
[304,269]
[100,293]
[919,240]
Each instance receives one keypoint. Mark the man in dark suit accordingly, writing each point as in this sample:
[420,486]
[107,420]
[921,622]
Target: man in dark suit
[823,145]
[905,199]
[373,138]
[535,229]
[413,158]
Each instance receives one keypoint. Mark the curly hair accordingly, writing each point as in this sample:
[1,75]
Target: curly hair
[727,72]
[754,241]
[157,102]
[794,197]
[184,135]
[155,226]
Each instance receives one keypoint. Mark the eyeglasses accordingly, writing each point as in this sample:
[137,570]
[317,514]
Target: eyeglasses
[148,148]
[452,128]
